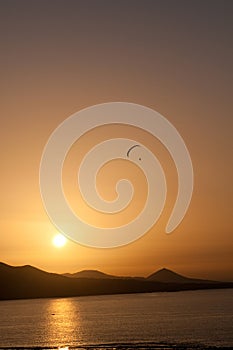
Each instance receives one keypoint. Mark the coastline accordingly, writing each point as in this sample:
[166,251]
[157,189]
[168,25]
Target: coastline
[125,346]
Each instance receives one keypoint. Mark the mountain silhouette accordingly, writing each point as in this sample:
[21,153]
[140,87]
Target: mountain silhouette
[167,276]
[90,274]
[164,276]
[23,282]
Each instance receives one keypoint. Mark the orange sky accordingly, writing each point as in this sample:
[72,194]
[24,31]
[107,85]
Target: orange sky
[176,58]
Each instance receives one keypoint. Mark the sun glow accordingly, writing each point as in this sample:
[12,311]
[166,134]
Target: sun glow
[59,241]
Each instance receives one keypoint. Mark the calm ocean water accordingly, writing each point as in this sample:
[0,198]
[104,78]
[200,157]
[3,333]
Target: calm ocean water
[202,318]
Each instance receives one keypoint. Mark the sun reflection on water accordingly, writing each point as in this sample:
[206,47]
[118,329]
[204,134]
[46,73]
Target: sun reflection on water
[63,322]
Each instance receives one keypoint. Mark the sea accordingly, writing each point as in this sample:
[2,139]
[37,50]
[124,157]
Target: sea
[174,320]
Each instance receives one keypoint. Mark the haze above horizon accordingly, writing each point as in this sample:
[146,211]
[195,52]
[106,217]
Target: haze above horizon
[172,56]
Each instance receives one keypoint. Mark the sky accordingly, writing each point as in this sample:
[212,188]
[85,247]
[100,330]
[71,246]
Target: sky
[58,57]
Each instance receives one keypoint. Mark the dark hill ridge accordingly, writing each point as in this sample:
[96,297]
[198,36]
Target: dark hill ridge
[95,274]
[164,276]
[89,274]
[24,282]
[168,276]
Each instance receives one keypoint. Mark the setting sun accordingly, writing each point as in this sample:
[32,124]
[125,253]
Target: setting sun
[59,241]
